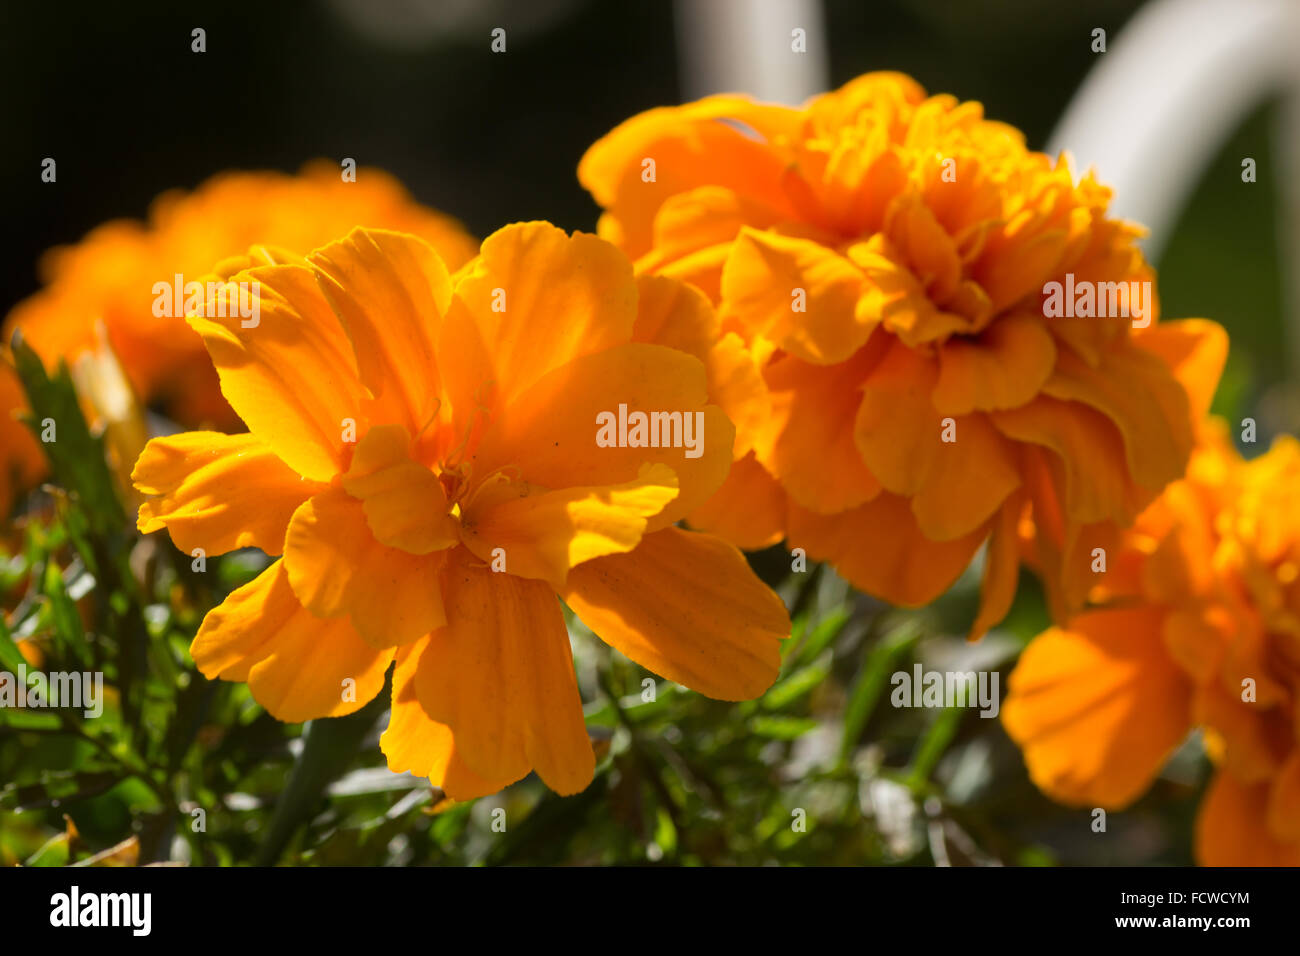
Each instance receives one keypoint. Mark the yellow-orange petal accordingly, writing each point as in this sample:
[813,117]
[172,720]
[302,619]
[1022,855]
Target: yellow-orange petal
[470,385]
[405,504]
[968,479]
[804,297]
[262,254]
[230,639]
[1088,448]
[1181,566]
[550,432]
[1016,262]
[924,245]
[1232,827]
[748,510]
[1138,393]
[1077,696]
[1001,568]
[1003,367]
[690,146]
[416,743]
[218,492]
[500,675]
[21,460]
[391,290]
[1079,574]
[1251,754]
[879,549]
[298,666]
[736,385]
[895,298]
[897,428]
[704,218]
[1196,638]
[541,298]
[701,269]
[544,534]
[808,442]
[1284,802]
[292,377]
[687,607]
[336,567]
[1195,350]
[673,313]
[894,95]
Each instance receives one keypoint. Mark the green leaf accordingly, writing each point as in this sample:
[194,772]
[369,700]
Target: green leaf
[790,689]
[932,746]
[827,629]
[871,681]
[63,613]
[781,727]
[24,719]
[329,747]
[56,852]
[11,658]
[76,456]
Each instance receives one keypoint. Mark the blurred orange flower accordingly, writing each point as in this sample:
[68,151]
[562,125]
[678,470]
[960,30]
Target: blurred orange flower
[109,276]
[885,258]
[1201,628]
[21,461]
[424,454]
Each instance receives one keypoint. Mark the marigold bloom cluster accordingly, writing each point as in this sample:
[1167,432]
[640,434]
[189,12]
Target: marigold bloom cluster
[109,277]
[422,455]
[1200,627]
[877,328]
[885,256]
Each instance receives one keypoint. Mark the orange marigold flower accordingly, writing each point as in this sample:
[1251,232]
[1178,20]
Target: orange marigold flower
[424,454]
[886,258]
[109,275]
[1201,629]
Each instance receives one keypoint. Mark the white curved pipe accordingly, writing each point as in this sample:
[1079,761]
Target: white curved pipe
[1169,90]
[744,46]
[1172,87]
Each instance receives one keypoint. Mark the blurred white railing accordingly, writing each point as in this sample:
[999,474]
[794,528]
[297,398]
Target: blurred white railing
[1173,85]
[745,46]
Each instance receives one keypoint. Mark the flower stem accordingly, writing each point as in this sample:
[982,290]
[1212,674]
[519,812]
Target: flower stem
[329,745]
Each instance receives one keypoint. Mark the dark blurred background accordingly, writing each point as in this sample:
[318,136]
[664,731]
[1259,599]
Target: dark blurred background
[113,92]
